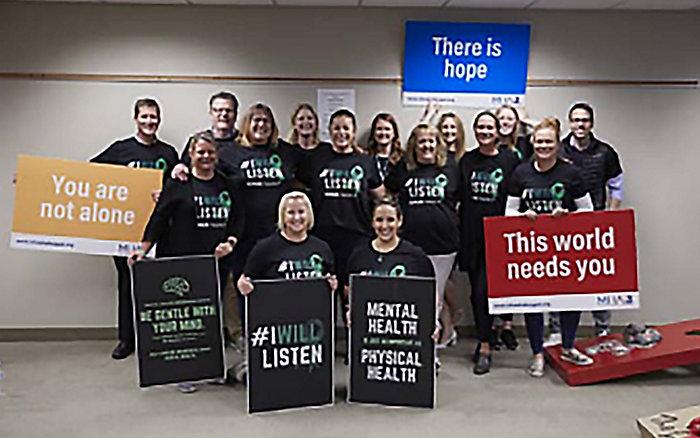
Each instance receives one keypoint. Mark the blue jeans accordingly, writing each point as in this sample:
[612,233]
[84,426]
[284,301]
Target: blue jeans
[601,318]
[534,322]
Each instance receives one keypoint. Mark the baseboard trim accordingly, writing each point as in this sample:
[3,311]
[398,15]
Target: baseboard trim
[110,333]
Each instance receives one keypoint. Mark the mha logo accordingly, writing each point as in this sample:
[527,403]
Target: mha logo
[305,268]
[176,286]
[484,184]
[546,199]
[615,300]
[263,171]
[424,190]
[338,183]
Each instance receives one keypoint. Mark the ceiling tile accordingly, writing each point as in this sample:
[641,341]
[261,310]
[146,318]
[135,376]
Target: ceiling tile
[404,3]
[232,2]
[489,4]
[569,4]
[317,2]
[146,2]
[658,4]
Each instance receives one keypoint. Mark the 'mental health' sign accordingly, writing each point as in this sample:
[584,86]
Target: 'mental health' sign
[465,64]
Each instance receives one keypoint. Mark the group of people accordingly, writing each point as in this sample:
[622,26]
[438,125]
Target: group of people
[299,207]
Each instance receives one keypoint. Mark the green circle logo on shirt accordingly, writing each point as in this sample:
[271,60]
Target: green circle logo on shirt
[276,161]
[225,199]
[497,176]
[441,180]
[161,164]
[558,191]
[316,262]
[357,173]
[398,271]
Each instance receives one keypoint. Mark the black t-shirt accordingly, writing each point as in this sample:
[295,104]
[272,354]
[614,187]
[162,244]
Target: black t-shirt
[428,195]
[382,164]
[275,257]
[598,163]
[196,215]
[542,192]
[483,189]
[132,153]
[264,173]
[340,184]
[227,153]
[405,260]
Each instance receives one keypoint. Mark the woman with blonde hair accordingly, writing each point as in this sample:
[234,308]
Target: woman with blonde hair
[511,132]
[548,185]
[304,132]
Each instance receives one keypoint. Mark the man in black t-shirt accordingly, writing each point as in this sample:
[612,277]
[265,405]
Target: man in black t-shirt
[602,177]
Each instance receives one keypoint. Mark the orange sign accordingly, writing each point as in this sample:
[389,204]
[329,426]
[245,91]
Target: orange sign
[74,206]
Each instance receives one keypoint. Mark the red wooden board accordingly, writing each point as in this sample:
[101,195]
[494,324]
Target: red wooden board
[677,348]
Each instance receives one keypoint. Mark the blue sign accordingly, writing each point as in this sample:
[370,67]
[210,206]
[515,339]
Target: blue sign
[468,64]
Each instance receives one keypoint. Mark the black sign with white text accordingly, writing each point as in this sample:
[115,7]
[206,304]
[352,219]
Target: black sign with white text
[392,352]
[177,319]
[290,344]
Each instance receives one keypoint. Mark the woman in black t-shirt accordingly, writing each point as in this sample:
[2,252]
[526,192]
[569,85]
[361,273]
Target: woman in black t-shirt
[383,143]
[290,253]
[143,150]
[388,254]
[342,180]
[511,132]
[548,185]
[427,185]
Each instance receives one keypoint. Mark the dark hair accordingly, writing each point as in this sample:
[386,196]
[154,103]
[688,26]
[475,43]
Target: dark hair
[584,106]
[347,113]
[226,95]
[146,102]
[201,136]
[395,151]
[489,114]
[389,201]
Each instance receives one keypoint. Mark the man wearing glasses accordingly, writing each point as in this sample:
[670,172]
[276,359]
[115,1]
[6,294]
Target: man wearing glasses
[602,175]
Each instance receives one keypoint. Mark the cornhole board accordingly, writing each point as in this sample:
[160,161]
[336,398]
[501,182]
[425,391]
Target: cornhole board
[677,348]
[651,427]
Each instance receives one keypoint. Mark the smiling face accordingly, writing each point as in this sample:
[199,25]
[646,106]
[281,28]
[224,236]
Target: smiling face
[295,217]
[384,133]
[204,156]
[260,128]
[426,147]
[305,123]
[545,144]
[147,121]
[485,130]
[342,132]
[448,129]
[386,223]
[223,114]
[508,121]
[580,123]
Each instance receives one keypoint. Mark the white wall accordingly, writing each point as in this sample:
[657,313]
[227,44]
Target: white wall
[653,129]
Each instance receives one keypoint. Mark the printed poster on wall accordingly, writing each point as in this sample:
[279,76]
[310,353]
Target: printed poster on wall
[581,261]
[178,320]
[392,352]
[479,65]
[290,344]
[79,207]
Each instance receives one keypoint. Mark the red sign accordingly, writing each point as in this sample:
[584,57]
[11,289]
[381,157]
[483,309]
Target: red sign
[580,261]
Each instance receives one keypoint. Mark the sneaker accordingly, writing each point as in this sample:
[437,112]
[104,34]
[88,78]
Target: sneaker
[483,364]
[122,351]
[186,387]
[552,340]
[509,340]
[601,333]
[575,357]
[450,341]
[536,368]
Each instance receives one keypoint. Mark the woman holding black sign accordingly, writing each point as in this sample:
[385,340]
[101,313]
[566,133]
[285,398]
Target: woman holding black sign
[143,150]
[548,185]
